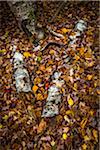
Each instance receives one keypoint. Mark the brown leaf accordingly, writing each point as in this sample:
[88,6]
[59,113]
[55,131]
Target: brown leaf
[42,126]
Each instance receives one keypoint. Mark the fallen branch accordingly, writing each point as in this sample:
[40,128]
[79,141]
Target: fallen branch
[55,33]
[52,43]
[61,5]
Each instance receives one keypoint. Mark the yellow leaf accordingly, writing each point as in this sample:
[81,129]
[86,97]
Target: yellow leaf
[95,134]
[2,50]
[64,136]
[64,30]
[52,143]
[1,126]
[91,64]
[39,96]
[69,112]
[66,118]
[86,138]
[5,117]
[38,72]
[70,101]
[76,57]
[83,122]
[84,146]
[35,88]
[49,69]
[89,77]
[91,112]
[52,52]
[37,80]
[75,86]
[27,54]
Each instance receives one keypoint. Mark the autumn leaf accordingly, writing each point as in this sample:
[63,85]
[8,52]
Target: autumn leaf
[34,88]
[89,77]
[39,96]
[95,134]
[90,64]
[42,126]
[68,112]
[81,50]
[84,146]
[2,50]
[49,69]
[70,100]
[65,136]
[51,52]
[86,138]
[52,143]
[5,117]
[42,67]
[76,57]
[83,122]
[27,54]
[37,80]
[65,30]
[1,126]
[39,59]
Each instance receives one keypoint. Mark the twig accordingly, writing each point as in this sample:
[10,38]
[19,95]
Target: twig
[55,33]
[61,5]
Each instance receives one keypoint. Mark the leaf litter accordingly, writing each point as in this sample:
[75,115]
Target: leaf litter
[71,68]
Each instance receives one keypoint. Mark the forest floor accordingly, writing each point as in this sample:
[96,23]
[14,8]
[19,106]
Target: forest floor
[76,126]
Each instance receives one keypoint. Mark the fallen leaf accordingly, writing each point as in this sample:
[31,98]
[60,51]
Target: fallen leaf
[52,143]
[90,64]
[95,134]
[69,112]
[66,118]
[5,117]
[42,126]
[1,126]
[42,67]
[39,96]
[2,50]
[37,80]
[34,88]
[81,50]
[83,123]
[84,146]
[64,136]
[27,54]
[89,77]
[65,30]
[51,52]
[70,101]
[86,138]
[65,129]
[39,59]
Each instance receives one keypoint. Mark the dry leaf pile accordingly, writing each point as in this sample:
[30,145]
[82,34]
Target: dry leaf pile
[76,126]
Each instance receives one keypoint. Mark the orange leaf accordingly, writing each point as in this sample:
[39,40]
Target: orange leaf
[37,80]
[65,30]
[81,50]
[42,126]
[89,77]
[42,68]
[39,96]
[35,88]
